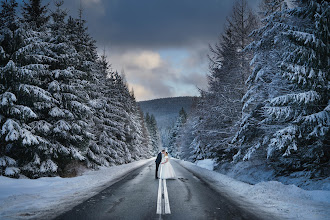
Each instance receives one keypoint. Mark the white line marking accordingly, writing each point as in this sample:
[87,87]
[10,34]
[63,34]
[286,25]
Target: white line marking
[167,202]
[160,209]
[159,199]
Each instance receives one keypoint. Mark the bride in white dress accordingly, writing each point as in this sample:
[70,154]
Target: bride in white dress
[166,171]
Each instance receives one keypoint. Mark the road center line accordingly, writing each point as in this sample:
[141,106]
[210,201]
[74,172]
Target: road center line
[167,202]
[159,198]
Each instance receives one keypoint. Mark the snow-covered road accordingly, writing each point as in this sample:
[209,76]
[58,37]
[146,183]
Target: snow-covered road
[130,190]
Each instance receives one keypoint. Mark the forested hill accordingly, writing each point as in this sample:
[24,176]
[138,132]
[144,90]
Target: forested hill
[166,110]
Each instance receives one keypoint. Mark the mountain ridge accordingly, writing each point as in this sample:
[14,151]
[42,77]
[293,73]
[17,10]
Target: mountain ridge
[166,110]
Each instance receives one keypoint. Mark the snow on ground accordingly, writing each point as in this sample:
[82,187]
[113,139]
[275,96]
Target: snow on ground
[282,201]
[42,198]
[206,164]
[254,172]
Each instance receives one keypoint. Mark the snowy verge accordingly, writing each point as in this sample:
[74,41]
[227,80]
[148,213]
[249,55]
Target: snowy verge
[279,200]
[47,197]
[257,171]
[206,164]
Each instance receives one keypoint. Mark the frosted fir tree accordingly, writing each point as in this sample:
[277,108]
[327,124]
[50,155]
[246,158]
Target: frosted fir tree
[10,121]
[134,124]
[173,148]
[102,88]
[107,120]
[186,135]
[14,117]
[23,84]
[69,135]
[137,145]
[222,105]
[264,83]
[153,131]
[10,36]
[242,22]
[82,41]
[35,56]
[268,7]
[202,146]
[304,110]
[35,14]
[219,108]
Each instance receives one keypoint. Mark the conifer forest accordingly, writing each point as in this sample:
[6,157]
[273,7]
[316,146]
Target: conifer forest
[61,104]
[266,101]
[165,109]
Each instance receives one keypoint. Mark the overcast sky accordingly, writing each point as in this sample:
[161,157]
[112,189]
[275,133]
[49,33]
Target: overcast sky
[161,45]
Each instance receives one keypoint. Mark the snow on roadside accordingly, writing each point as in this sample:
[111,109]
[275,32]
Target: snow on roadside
[206,164]
[44,197]
[283,201]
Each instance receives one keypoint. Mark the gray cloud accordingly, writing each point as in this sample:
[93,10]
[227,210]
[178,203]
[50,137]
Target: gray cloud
[134,32]
[154,23]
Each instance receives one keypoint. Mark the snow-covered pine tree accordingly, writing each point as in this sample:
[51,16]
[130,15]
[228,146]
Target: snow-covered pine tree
[304,110]
[264,83]
[268,7]
[107,117]
[69,135]
[147,147]
[36,57]
[13,115]
[242,22]
[35,14]
[153,131]
[104,89]
[25,76]
[219,108]
[173,149]
[222,105]
[138,147]
[10,39]
[186,135]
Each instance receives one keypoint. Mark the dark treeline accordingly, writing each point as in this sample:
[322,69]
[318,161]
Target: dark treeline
[152,128]
[267,101]
[61,105]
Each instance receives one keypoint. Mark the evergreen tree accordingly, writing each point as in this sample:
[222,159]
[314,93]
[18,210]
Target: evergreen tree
[304,110]
[69,134]
[153,131]
[242,22]
[173,148]
[26,76]
[264,83]
[35,14]
[219,109]
[107,117]
[185,140]
[10,37]
[268,7]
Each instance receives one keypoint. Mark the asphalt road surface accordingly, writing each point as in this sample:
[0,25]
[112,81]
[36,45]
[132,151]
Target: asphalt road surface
[135,197]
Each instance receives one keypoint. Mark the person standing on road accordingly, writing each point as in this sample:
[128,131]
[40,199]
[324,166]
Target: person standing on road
[158,161]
